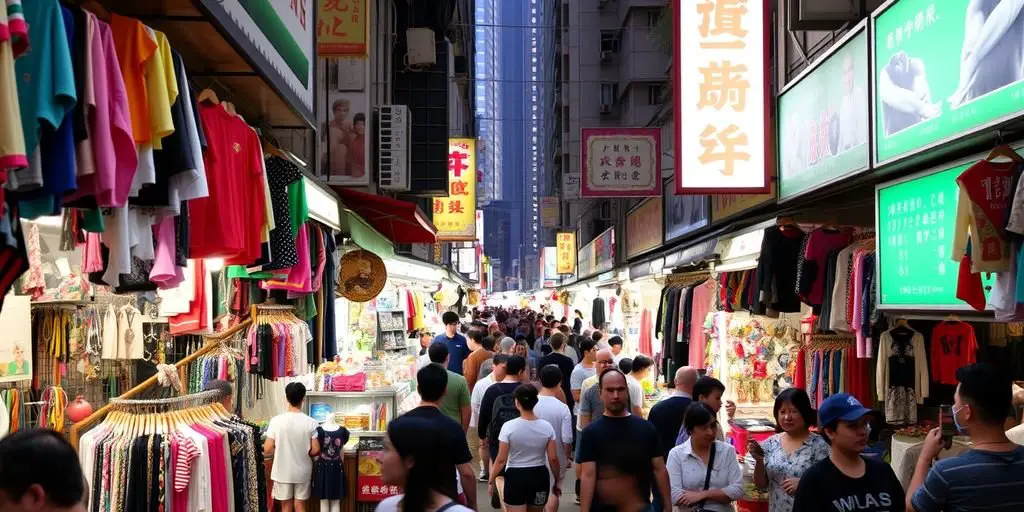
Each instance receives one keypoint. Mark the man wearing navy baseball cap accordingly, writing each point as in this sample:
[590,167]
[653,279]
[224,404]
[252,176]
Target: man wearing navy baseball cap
[845,481]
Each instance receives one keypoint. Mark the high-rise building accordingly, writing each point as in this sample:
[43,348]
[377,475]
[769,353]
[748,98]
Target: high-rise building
[612,73]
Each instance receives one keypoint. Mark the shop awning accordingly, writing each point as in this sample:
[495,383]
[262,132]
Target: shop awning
[401,222]
[363,235]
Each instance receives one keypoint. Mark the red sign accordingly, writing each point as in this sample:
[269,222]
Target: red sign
[370,486]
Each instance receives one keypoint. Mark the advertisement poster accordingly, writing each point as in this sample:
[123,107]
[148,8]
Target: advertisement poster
[16,343]
[597,256]
[550,211]
[345,117]
[823,120]
[341,28]
[369,484]
[916,219]
[943,70]
[279,38]
[644,227]
[621,162]
[455,215]
[723,94]
[684,214]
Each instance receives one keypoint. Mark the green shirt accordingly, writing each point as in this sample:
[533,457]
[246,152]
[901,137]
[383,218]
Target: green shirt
[455,397]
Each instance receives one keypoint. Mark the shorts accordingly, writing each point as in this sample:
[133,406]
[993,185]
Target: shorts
[285,492]
[527,486]
[576,452]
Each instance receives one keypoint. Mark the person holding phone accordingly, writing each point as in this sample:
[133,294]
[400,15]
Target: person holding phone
[782,459]
[989,476]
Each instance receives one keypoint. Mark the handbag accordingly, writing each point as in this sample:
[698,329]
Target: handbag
[707,479]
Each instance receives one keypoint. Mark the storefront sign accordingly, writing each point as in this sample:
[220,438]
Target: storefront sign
[725,206]
[648,268]
[823,119]
[604,251]
[944,70]
[455,215]
[692,254]
[571,185]
[16,343]
[916,218]
[723,92]
[369,484]
[565,243]
[279,39]
[341,28]
[549,266]
[643,227]
[549,212]
[684,214]
[621,162]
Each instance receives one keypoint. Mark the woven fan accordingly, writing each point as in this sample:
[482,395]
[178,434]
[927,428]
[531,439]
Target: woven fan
[361,276]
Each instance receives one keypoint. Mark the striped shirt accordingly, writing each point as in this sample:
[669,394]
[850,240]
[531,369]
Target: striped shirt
[976,480]
[186,456]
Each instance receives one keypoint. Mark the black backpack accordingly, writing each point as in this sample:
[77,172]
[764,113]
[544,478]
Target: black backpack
[503,411]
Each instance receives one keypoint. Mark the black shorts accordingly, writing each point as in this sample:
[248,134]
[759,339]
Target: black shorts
[527,486]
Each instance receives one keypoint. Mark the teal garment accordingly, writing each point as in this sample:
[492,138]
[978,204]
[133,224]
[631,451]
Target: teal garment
[46,79]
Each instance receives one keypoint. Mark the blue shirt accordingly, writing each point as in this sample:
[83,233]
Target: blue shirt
[975,480]
[46,81]
[458,350]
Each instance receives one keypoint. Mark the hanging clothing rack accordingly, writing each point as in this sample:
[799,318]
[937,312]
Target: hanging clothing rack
[687,278]
[191,400]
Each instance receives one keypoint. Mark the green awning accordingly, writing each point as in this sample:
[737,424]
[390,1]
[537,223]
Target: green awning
[363,235]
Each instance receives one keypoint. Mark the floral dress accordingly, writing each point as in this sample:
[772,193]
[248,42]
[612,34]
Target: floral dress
[329,478]
[779,466]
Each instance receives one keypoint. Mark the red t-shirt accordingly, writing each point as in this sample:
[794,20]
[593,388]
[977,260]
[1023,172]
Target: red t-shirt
[953,346]
[228,223]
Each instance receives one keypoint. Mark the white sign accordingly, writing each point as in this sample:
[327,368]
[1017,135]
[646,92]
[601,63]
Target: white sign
[723,89]
[571,185]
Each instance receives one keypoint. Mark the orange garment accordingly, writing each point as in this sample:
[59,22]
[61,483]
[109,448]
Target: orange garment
[472,365]
[134,47]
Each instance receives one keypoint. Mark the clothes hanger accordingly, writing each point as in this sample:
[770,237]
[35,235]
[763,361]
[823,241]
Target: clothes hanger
[1005,151]
[208,95]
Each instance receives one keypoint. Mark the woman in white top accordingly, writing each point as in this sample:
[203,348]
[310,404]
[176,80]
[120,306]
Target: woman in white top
[421,469]
[688,465]
[523,445]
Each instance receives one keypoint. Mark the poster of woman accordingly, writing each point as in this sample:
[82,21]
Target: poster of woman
[16,343]
[344,123]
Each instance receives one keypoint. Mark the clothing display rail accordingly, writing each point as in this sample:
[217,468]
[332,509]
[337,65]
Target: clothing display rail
[190,400]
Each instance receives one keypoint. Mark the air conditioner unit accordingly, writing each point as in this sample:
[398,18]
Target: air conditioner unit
[393,141]
[606,55]
[606,108]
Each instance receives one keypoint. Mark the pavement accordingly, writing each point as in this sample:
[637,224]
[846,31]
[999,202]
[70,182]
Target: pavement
[568,500]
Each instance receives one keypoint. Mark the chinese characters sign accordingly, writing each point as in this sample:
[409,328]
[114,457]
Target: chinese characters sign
[916,219]
[370,486]
[565,245]
[944,70]
[621,162]
[722,95]
[341,28]
[455,215]
[644,227]
[823,120]
[549,212]
[725,206]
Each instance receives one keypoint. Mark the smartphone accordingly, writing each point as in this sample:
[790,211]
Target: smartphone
[946,422]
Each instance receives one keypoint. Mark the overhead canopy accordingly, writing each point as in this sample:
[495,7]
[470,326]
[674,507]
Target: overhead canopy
[400,221]
[365,236]
[255,53]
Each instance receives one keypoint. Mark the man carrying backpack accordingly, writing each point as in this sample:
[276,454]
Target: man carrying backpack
[499,406]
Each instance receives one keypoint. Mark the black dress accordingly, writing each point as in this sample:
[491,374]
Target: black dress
[329,477]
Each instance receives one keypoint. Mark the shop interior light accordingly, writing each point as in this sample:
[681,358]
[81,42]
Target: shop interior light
[214,264]
[735,266]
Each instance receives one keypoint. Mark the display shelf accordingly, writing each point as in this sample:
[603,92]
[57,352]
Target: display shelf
[370,393]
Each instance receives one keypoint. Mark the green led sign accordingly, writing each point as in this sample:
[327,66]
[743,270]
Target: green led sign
[915,240]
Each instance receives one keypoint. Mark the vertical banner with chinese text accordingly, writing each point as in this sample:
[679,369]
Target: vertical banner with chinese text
[455,215]
[550,212]
[621,162]
[722,88]
[341,28]
[565,243]
[370,485]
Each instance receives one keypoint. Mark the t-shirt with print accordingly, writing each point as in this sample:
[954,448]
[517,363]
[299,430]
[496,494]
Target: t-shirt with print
[982,208]
[953,346]
[456,396]
[624,442]
[823,488]
[527,442]
[976,480]
[292,432]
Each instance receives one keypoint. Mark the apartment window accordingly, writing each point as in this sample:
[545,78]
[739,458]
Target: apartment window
[609,93]
[653,17]
[654,92]
[609,41]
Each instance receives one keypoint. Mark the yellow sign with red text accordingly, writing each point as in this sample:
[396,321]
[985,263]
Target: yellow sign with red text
[565,259]
[341,28]
[455,215]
